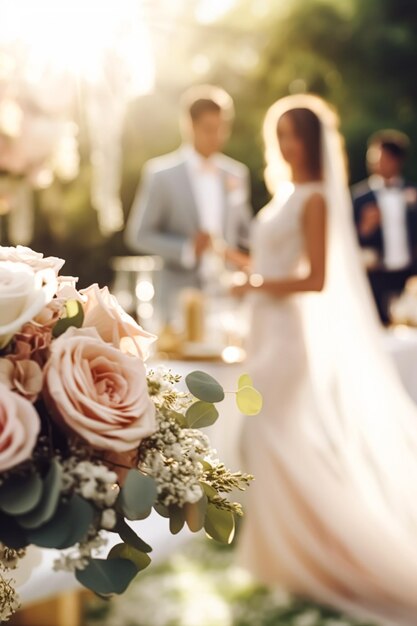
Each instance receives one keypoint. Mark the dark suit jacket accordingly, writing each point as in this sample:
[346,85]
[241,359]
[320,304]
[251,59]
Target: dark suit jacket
[362,195]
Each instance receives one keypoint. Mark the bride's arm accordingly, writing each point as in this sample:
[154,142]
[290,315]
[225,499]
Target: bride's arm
[241,260]
[314,226]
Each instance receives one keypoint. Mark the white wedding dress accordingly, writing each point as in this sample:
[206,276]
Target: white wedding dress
[331,514]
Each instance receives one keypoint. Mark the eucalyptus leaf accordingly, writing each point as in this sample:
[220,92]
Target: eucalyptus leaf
[162,510]
[20,494]
[244,381]
[138,495]
[204,387]
[201,414]
[47,506]
[69,525]
[210,491]
[195,514]
[219,524]
[125,551]
[249,401]
[74,316]
[130,537]
[11,534]
[176,519]
[107,576]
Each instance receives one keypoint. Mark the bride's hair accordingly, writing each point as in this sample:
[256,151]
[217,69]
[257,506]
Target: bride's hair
[307,127]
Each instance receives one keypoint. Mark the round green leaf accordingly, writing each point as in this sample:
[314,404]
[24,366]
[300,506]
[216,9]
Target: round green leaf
[204,387]
[49,501]
[107,577]
[195,514]
[201,414]
[123,551]
[20,494]
[176,519]
[244,381]
[130,537]
[138,495]
[74,316]
[69,525]
[161,510]
[219,524]
[249,401]
[209,490]
[11,534]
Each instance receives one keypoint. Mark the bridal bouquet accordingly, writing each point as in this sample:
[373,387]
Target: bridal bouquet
[90,439]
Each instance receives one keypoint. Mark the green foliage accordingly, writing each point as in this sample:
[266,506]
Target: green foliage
[48,502]
[20,494]
[201,414]
[137,496]
[219,524]
[176,519]
[69,525]
[249,401]
[204,387]
[129,536]
[124,551]
[195,514]
[107,577]
[74,316]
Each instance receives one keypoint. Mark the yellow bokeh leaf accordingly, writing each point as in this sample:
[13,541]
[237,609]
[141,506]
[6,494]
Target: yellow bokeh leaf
[249,401]
[244,381]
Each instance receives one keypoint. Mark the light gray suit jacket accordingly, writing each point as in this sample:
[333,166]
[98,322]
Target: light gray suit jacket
[164,216]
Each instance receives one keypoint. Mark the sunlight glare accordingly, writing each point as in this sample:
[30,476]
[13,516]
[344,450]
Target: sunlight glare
[75,36]
[211,10]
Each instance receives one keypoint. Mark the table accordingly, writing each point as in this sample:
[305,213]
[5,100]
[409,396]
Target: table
[400,343]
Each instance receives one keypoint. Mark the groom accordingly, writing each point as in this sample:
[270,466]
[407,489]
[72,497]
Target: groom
[385,208]
[193,198]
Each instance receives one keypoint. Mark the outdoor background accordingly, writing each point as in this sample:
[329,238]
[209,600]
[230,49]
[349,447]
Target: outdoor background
[361,55]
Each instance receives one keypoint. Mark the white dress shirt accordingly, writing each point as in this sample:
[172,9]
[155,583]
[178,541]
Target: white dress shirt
[393,207]
[207,185]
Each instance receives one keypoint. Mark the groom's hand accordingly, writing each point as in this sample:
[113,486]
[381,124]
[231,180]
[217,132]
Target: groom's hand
[202,242]
[370,220]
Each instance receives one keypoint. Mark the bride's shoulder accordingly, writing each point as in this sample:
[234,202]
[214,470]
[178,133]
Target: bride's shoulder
[267,210]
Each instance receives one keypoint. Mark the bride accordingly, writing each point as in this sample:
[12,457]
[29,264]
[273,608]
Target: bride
[332,514]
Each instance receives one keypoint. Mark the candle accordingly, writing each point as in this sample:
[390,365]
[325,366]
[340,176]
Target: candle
[193,311]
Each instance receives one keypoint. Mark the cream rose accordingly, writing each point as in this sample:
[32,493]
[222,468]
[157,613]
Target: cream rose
[24,291]
[98,392]
[113,324]
[19,428]
[35,260]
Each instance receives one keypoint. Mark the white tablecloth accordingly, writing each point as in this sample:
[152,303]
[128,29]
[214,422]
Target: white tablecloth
[401,344]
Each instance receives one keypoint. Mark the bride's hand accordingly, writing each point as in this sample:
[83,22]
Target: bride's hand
[238,291]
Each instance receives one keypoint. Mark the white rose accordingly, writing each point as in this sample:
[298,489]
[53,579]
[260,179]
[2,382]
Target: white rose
[24,291]
[36,260]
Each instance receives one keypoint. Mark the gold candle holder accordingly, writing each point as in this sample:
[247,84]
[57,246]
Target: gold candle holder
[193,303]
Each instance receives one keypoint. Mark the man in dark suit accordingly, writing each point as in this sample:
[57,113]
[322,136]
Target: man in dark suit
[385,212]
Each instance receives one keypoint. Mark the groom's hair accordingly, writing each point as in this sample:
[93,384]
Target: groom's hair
[202,99]
[393,141]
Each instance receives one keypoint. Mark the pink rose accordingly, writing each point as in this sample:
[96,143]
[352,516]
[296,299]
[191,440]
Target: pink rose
[113,324]
[24,376]
[19,428]
[32,342]
[98,392]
